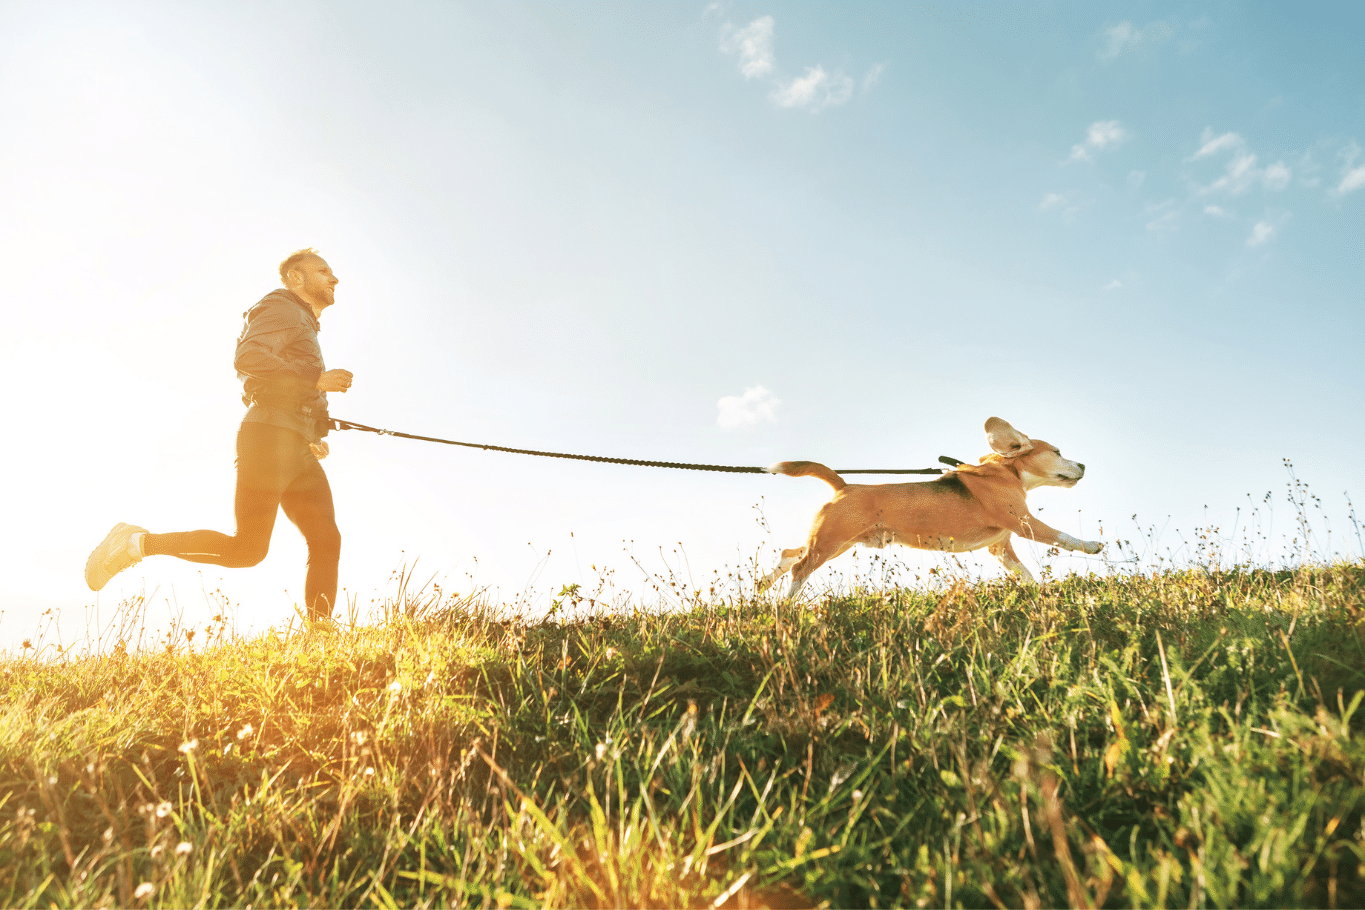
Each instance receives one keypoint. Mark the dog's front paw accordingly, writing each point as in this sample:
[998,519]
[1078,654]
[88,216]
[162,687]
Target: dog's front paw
[1092,547]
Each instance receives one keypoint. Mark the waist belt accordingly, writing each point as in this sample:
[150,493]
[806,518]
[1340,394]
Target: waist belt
[295,407]
[318,416]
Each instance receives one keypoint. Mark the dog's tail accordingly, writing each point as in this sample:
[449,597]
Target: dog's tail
[808,469]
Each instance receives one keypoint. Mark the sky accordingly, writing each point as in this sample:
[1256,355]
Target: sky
[734,233]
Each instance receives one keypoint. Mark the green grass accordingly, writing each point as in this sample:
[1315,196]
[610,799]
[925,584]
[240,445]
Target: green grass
[1189,738]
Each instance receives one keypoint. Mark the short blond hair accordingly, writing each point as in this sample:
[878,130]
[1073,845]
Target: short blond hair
[294,259]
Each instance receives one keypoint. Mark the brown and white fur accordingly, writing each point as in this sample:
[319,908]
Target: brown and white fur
[970,507]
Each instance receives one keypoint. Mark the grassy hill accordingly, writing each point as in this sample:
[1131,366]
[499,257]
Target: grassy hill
[1191,738]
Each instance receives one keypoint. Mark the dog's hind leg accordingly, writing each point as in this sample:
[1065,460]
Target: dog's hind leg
[815,557]
[1004,551]
[789,559]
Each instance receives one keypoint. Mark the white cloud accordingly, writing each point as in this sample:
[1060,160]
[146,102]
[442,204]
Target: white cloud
[1124,37]
[1354,180]
[873,76]
[1261,233]
[1119,38]
[1241,173]
[1164,216]
[1113,285]
[1353,175]
[1062,203]
[1212,145]
[1102,134]
[815,90]
[1217,211]
[1276,176]
[753,44]
[757,404]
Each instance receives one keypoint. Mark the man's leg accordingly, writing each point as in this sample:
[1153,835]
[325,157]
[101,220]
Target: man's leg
[308,504]
[268,458]
[266,464]
[255,510]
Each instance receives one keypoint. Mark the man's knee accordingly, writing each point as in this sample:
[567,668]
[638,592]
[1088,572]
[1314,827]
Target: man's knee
[250,554]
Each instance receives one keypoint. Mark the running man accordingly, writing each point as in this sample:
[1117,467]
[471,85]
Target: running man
[285,386]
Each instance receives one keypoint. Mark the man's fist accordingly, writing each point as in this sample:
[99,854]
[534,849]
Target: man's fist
[334,381]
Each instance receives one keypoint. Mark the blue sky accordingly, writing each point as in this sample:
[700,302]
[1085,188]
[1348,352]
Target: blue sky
[732,233]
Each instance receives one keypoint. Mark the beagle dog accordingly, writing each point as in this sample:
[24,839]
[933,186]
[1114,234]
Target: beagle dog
[970,507]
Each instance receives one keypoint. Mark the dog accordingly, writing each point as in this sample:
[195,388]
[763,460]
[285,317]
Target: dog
[970,507]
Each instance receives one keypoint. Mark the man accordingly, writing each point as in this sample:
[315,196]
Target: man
[285,386]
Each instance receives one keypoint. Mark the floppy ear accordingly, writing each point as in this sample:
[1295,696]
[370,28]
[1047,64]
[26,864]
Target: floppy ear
[1005,439]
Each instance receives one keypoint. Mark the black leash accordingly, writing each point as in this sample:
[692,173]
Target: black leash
[339,424]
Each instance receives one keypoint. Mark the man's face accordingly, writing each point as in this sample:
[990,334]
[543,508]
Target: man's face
[314,282]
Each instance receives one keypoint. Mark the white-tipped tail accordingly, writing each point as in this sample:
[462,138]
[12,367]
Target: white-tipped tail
[808,469]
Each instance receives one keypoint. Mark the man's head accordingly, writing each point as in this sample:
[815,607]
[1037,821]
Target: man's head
[310,277]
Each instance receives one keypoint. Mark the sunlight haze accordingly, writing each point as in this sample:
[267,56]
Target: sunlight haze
[728,233]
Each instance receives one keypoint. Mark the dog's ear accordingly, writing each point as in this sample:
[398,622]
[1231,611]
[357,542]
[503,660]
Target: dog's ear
[1006,440]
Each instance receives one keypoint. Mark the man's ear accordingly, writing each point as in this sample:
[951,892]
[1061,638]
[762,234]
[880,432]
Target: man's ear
[1006,440]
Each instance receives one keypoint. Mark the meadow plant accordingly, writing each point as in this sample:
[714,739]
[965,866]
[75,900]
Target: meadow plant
[1189,735]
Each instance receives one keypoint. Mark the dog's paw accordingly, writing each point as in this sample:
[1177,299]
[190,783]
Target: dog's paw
[1092,547]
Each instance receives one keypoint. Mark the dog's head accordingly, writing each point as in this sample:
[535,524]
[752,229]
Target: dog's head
[1038,463]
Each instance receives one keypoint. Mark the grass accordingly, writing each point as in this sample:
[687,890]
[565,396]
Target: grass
[1185,738]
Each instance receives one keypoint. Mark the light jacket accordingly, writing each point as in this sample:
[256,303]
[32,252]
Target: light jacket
[279,361]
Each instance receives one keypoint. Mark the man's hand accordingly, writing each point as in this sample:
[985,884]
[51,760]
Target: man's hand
[334,381]
[320,450]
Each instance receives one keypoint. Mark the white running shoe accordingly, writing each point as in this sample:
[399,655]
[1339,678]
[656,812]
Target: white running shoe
[112,556]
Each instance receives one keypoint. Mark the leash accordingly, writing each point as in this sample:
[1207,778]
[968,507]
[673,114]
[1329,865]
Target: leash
[339,424]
